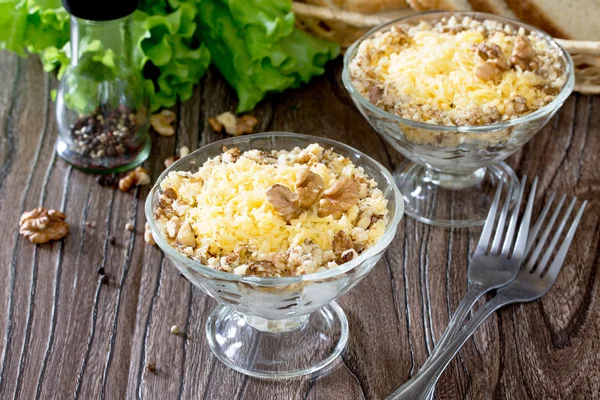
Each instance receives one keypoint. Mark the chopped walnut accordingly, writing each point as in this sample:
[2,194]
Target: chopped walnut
[169,193]
[346,256]
[523,54]
[489,51]
[186,235]
[339,198]
[284,201]
[262,268]
[491,70]
[375,94]
[341,243]
[230,155]
[41,225]
[374,219]
[161,122]
[308,187]
[520,104]
[138,177]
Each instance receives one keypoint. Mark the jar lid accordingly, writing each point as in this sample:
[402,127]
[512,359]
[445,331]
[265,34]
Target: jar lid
[100,10]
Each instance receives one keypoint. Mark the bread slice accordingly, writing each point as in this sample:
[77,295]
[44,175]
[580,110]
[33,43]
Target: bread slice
[574,19]
[498,7]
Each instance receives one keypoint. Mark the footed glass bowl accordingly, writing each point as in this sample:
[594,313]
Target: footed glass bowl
[278,327]
[452,172]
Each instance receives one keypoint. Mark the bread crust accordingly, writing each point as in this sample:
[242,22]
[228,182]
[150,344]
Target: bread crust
[490,6]
[362,6]
[528,11]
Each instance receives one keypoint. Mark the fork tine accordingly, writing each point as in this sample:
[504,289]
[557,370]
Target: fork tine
[556,265]
[538,249]
[503,214]
[521,243]
[542,264]
[538,224]
[486,233]
[525,221]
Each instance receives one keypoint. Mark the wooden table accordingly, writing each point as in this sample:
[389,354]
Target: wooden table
[67,335]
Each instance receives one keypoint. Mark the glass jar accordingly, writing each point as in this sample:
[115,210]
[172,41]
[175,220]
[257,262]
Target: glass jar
[102,108]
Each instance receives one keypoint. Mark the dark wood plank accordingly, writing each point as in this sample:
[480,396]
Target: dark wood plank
[67,335]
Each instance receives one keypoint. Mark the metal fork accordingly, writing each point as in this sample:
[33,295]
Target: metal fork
[490,270]
[533,281]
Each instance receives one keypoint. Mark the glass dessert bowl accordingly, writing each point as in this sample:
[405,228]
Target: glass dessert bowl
[278,327]
[453,170]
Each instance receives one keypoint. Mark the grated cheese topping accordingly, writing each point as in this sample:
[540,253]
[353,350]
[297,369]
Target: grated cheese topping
[429,73]
[221,216]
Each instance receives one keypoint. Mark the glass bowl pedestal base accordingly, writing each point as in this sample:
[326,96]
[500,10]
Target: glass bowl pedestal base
[452,201]
[277,349]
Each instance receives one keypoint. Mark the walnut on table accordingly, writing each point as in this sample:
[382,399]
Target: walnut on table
[137,177]
[41,225]
[162,122]
[233,124]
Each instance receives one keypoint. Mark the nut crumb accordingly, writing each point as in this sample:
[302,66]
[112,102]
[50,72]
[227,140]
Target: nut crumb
[90,225]
[170,161]
[184,151]
[175,330]
[148,238]
[41,225]
[151,366]
[129,226]
[161,122]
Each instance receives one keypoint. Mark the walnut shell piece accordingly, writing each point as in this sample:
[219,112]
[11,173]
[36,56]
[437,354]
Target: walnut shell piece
[339,198]
[308,187]
[41,225]
[284,201]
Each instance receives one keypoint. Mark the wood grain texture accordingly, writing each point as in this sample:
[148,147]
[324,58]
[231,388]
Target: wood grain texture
[66,335]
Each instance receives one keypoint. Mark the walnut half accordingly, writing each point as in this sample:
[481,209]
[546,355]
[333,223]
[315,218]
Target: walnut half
[339,198]
[41,225]
[284,201]
[308,187]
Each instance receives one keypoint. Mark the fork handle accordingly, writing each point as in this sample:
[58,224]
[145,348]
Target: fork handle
[473,294]
[419,386]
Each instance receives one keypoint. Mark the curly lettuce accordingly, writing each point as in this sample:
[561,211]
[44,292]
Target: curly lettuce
[270,56]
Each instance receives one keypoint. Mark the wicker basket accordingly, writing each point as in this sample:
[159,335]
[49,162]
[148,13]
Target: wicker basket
[345,27]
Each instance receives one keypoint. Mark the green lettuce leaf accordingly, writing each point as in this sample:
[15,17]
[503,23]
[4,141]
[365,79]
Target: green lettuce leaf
[271,54]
